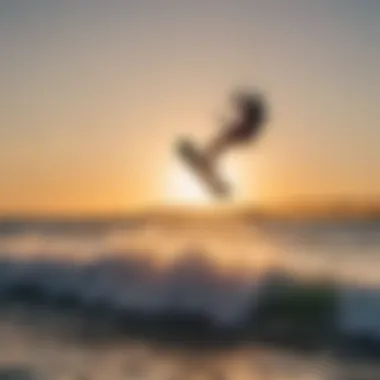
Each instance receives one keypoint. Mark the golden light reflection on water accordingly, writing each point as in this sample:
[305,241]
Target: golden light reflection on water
[42,346]
[226,247]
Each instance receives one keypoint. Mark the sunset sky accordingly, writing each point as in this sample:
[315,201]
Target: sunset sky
[94,93]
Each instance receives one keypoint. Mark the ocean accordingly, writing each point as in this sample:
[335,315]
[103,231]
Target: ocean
[58,276]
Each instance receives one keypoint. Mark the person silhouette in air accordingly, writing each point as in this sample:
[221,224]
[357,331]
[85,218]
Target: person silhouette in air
[244,129]
[251,115]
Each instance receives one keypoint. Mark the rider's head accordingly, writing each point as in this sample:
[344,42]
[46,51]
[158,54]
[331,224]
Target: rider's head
[251,104]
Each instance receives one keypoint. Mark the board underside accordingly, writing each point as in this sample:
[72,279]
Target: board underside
[193,158]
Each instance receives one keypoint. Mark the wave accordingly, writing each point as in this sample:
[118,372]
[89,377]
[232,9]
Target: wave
[192,298]
[190,285]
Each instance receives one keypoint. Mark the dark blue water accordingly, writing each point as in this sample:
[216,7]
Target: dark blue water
[215,268]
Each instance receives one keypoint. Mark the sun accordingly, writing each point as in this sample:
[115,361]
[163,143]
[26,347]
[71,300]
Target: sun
[183,187]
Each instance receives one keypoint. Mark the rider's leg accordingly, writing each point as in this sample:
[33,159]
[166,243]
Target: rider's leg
[218,146]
